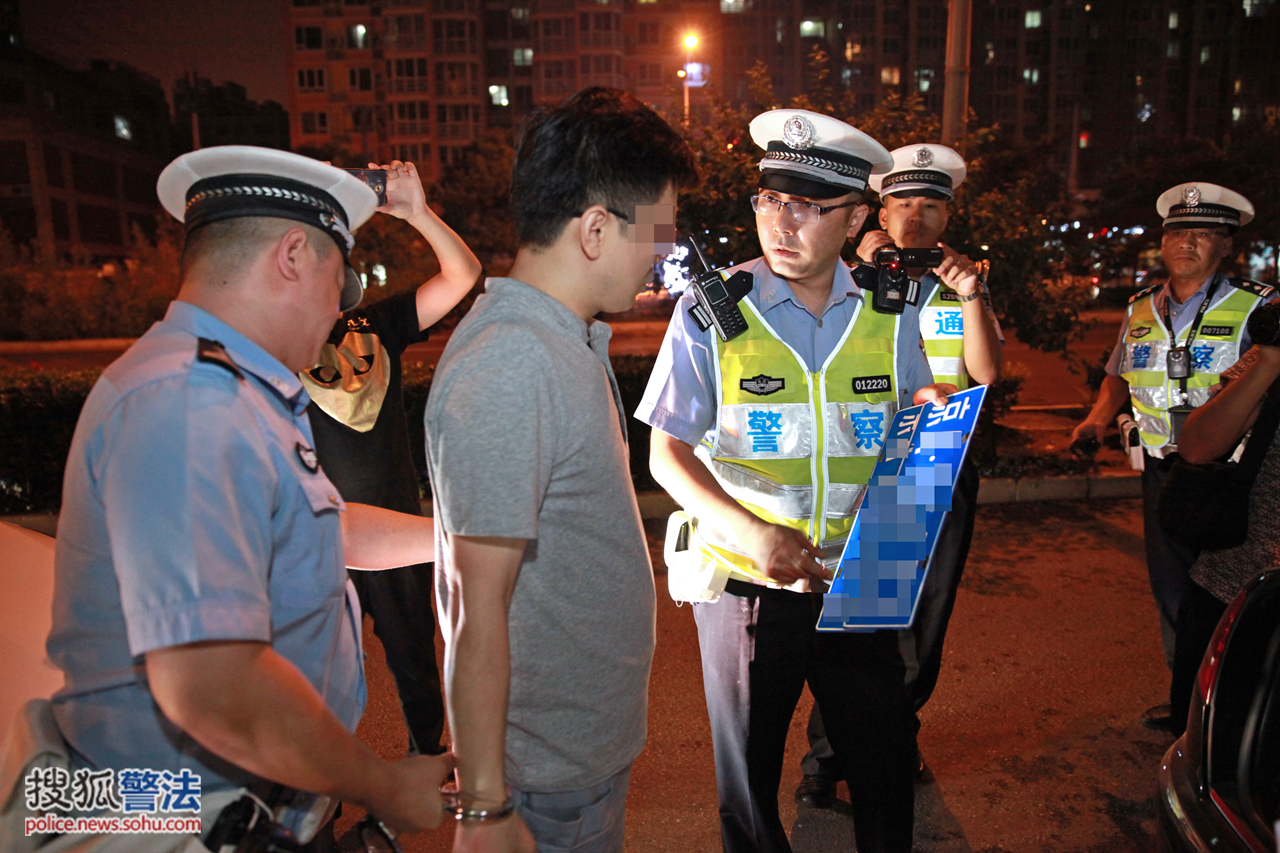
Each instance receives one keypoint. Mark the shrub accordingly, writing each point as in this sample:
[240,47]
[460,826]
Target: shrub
[38,413]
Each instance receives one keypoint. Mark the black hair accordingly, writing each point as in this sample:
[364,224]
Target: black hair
[601,146]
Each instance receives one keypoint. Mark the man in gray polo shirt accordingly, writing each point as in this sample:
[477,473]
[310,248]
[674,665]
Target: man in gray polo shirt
[545,589]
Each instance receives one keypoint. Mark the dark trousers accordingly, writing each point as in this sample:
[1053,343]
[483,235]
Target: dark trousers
[1168,563]
[1198,616]
[921,644]
[759,648]
[399,600]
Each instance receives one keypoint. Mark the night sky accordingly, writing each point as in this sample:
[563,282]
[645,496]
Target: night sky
[238,40]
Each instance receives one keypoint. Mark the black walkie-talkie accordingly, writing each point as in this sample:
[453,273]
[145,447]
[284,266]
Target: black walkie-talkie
[716,297]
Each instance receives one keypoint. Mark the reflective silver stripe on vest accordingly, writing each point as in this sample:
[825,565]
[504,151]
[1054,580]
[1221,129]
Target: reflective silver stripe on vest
[759,431]
[1157,398]
[1153,397]
[944,366]
[750,487]
[857,429]
[1151,425]
[843,499]
[832,551]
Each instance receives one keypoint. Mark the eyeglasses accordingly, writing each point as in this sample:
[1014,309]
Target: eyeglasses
[802,212]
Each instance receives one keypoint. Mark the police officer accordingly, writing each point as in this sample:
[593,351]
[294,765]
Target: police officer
[748,439]
[202,613]
[1177,337]
[963,343]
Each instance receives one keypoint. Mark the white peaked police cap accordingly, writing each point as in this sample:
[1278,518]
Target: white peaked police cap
[816,156]
[927,170]
[1202,205]
[231,181]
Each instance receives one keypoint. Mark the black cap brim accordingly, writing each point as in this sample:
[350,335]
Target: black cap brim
[352,290]
[794,185]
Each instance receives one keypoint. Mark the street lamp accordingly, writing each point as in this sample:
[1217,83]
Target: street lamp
[690,42]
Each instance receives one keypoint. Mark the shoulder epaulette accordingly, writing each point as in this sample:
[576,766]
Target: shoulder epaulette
[1146,291]
[1257,288]
[213,352]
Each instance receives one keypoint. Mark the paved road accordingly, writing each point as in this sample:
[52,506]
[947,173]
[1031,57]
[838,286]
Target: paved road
[1032,736]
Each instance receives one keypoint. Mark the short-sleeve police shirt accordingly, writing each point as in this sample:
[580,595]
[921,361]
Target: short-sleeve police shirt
[193,510]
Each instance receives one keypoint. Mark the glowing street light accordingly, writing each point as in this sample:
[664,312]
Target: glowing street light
[690,42]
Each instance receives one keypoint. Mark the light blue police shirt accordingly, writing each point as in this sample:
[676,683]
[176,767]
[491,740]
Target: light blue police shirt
[1182,314]
[192,511]
[681,397]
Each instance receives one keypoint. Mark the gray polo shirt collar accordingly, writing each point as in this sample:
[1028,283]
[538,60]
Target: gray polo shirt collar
[546,307]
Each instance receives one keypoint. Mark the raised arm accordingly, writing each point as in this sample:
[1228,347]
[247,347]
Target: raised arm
[459,267]
[983,356]
[1215,428]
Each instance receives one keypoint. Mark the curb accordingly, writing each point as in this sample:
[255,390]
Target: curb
[656,504]
[87,345]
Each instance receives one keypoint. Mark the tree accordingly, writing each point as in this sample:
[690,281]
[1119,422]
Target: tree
[474,197]
[1006,210]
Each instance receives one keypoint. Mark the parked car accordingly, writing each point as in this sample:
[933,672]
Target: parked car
[1219,784]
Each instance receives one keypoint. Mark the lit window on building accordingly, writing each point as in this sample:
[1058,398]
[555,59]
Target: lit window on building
[1084,139]
[1236,113]
[890,75]
[522,56]
[924,79]
[1173,49]
[123,130]
[520,13]
[812,29]
[1033,19]
[498,96]
[1145,112]
[358,37]
[1031,75]
[1204,55]
[1173,20]
[727,7]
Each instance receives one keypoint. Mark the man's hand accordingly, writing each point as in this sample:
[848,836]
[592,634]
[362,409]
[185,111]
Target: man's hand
[405,196]
[872,242]
[414,802]
[784,555]
[957,272]
[1089,429]
[508,835]
[936,394]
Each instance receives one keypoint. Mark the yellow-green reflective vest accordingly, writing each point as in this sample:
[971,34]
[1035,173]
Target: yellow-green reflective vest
[942,328]
[1216,347]
[794,447]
